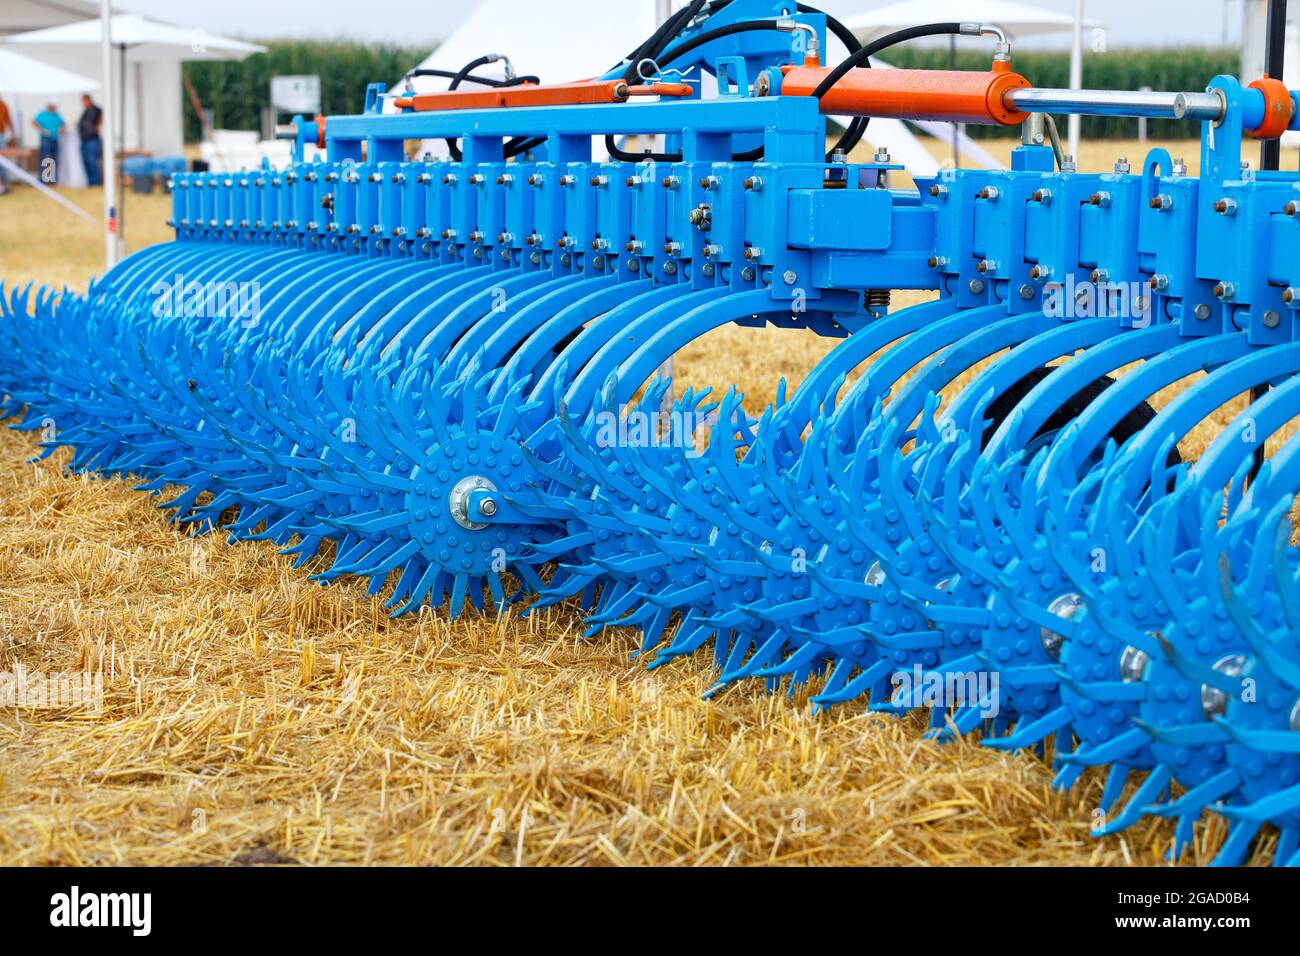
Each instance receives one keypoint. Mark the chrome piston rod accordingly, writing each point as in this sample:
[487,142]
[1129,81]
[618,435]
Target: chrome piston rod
[1153,105]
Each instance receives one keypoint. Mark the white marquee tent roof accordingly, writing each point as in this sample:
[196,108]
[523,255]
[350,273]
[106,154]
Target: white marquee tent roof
[22,74]
[146,40]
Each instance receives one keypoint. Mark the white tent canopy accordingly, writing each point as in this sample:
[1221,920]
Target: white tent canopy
[22,74]
[1018,19]
[148,54]
[146,40]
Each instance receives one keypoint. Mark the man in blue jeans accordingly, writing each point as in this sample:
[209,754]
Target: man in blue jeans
[50,124]
[92,150]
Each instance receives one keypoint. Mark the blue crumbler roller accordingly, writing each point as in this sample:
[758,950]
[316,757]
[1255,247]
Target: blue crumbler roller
[447,372]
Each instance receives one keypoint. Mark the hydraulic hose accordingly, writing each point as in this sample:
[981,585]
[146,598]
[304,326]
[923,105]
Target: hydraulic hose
[882,44]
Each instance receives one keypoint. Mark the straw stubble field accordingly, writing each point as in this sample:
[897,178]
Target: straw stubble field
[251,716]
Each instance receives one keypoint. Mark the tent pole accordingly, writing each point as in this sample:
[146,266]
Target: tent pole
[121,135]
[108,168]
[1076,77]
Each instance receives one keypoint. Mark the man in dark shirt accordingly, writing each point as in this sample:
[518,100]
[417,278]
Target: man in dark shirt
[92,149]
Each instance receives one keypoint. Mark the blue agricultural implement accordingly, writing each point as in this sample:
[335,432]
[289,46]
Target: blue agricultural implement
[440,375]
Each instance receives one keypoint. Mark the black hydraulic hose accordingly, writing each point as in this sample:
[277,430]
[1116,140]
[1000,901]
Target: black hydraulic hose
[481,80]
[680,50]
[513,147]
[852,134]
[881,44]
[708,36]
[857,127]
[659,40]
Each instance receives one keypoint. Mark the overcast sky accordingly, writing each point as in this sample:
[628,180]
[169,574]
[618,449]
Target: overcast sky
[1127,22]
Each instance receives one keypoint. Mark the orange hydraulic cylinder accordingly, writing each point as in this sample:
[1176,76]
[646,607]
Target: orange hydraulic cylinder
[955,96]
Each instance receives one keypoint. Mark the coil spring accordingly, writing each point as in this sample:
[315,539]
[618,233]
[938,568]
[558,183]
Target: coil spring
[876,299]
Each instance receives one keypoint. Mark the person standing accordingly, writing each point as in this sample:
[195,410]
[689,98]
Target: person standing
[50,124]
[92,148]
[7,134]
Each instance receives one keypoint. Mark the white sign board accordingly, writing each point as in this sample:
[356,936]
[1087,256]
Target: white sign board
[296,94]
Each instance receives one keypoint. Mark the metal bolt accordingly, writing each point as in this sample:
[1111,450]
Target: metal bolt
[634,265]
[1289,295]
[1121,165]
[754,183]
[1159,282]
[1271,319]
[1225,290]
[976,286]
[1101,199]
[1202,311]
[1290,208]
[990,193]
[938,191]
[789,277]
[1039,272]
[598,263]
[1180,167]
[1043,196]
[487,507]
[1027,292]
[1068,164]
[671,182]
[937,262]
[670,268]
[1226,207]
[748,273]
[708,270]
